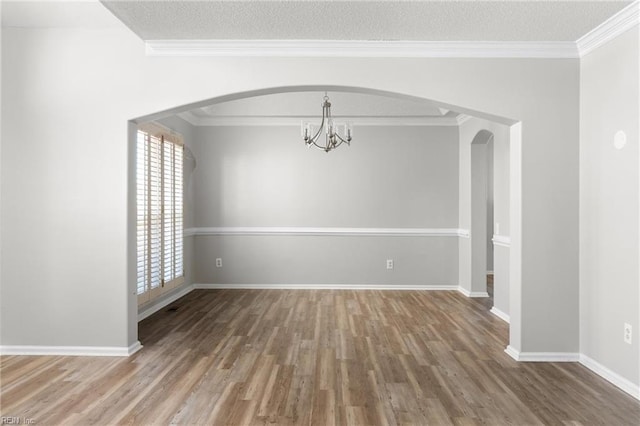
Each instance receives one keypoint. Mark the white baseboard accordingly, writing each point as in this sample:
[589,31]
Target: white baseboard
[326,286]
[135,347]
[542,356]
[70,350]
[156,306]
[616,379]
[449,287]
[513,353]
[497,312]
[472,293]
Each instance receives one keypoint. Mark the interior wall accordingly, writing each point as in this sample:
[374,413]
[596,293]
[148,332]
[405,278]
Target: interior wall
[390,177]
[63,84]
[490,207]
[479,198]
[1,117]
[501,238]
[498,165]
[609,212]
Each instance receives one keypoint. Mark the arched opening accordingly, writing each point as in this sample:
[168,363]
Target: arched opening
[291,89]
[481,231]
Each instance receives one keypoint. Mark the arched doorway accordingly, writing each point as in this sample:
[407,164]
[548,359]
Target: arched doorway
[242,95]
[481,231]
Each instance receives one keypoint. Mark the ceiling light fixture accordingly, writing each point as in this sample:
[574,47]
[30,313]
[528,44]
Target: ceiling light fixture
[332,138]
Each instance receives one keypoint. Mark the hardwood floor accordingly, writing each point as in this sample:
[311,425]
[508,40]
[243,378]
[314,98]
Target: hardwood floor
[320,357]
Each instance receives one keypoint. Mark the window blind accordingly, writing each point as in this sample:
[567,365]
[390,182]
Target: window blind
[159,198]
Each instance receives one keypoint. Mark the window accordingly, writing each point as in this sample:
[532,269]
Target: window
[159,195]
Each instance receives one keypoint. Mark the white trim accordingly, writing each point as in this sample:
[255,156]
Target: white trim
[622,21]
[269,121]
[549,356]
[501,240]
[489,272]
[463,118]
[472,294]
[307,231]
[254,286]
[70,350]
[512,352]
[155,307]
[497,312]
[542,356]
[362,49]
[135,347]
[464,233]
[611,376]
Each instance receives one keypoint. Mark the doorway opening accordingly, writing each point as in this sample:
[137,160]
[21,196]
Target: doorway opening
[444,108]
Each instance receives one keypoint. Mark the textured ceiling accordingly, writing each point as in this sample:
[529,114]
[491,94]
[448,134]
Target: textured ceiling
[505,20]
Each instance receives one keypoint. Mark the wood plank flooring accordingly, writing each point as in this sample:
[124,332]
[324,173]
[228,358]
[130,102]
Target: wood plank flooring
[314,357]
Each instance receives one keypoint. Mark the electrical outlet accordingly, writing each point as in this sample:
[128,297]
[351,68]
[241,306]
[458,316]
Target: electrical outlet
[627,333]
[389,263]
[219,262]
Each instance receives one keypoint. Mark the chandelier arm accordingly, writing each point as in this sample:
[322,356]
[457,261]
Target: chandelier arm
[315,137]
[342,140]
[318,146]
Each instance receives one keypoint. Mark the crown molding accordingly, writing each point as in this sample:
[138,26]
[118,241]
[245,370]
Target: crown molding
[362,49]
[622,21]
[609,29]
[197,120]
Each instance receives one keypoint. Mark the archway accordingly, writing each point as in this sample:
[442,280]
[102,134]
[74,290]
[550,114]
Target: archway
[480,170]
[132,306]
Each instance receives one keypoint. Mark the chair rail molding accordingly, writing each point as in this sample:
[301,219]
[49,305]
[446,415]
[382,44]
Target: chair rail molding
[332,232]
[501,240]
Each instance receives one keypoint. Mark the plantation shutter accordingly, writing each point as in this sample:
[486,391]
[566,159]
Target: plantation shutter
[159,212]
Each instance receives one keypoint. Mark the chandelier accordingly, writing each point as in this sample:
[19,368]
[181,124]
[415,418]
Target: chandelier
[332,138]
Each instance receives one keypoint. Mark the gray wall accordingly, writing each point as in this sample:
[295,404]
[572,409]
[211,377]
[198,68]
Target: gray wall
[471,264]
[490,206]
[501,212]
[609,193]
[390,177]
[62,85]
